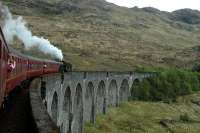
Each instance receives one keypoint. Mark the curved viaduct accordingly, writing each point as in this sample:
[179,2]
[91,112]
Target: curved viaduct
[80,96]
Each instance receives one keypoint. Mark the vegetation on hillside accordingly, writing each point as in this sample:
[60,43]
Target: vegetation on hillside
[196,68]
[96,35]
[167,86]
[183,116]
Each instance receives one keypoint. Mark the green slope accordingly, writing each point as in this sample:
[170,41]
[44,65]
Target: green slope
[148,117]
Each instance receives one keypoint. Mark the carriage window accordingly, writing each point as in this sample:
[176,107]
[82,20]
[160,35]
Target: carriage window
[4,54]
[19,66]
[15,69]
[0,48]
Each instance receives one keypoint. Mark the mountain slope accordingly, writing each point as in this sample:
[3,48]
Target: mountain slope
[96,35]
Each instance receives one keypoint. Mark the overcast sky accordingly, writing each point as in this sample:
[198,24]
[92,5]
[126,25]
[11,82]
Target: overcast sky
[165,5]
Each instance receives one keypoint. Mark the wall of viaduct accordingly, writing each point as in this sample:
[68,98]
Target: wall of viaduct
[81,96]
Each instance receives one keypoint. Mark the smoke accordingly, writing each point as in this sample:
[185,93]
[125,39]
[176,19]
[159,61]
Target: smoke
[16,27]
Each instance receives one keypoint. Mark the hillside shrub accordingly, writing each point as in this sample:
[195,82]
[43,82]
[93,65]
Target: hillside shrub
[166,86]
[196,68]
[185,118]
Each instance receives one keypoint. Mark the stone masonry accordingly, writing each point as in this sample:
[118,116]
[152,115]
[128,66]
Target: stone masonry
[80,96]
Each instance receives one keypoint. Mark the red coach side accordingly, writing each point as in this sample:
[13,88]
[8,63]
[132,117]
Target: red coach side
[3,66]
[51,67]
[35,68]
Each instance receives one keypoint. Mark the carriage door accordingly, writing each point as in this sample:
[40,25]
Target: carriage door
[0,65]
[1,72]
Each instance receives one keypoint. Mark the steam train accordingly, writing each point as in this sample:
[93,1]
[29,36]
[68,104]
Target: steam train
[16,68]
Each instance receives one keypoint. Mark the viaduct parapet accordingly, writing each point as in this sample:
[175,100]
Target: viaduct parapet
[79,97]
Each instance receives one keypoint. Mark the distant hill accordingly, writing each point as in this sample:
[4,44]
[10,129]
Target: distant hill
[96,35]
[186,16]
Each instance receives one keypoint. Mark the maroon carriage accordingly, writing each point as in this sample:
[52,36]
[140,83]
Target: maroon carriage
[16,68]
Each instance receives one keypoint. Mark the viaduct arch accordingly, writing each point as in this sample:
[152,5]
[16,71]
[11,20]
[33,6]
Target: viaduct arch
[54,107]
[101,98]
[112,93]
[124,93]
[78,111]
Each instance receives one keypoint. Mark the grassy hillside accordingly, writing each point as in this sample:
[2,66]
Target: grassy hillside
[152,117]
[96,35]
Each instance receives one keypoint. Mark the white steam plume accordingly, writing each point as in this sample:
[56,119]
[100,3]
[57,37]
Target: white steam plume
[17,28]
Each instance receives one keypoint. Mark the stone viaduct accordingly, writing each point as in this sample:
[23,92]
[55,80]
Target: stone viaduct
[80,96]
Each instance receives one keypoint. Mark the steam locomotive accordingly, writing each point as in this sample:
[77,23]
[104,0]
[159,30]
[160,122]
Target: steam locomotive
[16,68]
